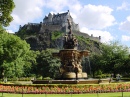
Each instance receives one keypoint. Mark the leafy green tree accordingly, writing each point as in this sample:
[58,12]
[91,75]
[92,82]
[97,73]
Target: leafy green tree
[48,66]
[30,67]
[95,63]
[125,67]
[6,7]
[30,63]
[114,57]
[14,55]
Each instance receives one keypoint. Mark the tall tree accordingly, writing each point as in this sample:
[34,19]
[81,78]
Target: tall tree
[14,54]
[48,66]
[30,64]
[113,57]
[95,63]
[6,8]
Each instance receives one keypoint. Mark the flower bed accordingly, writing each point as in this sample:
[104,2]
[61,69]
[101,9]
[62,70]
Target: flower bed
[64,89]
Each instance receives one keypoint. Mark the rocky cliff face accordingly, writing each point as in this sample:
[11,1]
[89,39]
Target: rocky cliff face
[48,39]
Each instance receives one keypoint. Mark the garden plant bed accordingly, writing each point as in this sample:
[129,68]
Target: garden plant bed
[64,88]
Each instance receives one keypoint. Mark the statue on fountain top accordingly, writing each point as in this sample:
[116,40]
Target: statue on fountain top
[70,42]
[69,26]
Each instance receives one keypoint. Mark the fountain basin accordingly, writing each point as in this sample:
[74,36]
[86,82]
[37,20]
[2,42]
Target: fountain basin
[83,81]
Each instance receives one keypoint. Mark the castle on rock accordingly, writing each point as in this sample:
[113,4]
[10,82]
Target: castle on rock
[53,22]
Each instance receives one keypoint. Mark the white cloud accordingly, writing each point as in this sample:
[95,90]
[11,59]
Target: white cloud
[60,5]
[95,17]
[26,11]
[57,6]
[124,6]
[125,25]
[125,38]
[75,6]
[105,36]
[9,31]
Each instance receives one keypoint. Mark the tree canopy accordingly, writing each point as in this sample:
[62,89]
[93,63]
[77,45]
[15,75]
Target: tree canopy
[6,8]
[14,54]
[113,58]
[47,65]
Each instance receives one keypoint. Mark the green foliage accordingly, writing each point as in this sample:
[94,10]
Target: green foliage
[24,33]
[95,63]
[6,7]
[56,35]
[114,58]
[98,72]
[47,64]
[102,76]
[87,44]
[15,54]
[30,63]
[81,38]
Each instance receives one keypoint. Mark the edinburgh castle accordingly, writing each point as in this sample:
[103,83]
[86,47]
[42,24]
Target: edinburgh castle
[53,22]
[39,35]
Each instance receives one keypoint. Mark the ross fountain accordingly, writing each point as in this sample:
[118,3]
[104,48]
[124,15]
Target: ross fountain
[71,58]
[71,68]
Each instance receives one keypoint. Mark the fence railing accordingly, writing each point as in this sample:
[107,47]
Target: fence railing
[114,94]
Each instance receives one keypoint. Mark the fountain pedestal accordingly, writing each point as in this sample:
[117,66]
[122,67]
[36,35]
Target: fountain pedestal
[71,63]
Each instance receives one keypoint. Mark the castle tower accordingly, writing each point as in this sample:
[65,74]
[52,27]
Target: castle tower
[50,16]
[45,20]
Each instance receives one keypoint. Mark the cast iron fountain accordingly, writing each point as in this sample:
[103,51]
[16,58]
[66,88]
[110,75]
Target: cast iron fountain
[71,68]
[71,58]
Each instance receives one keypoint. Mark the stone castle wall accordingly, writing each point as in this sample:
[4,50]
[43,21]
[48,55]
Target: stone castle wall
[50,28]
[88,36]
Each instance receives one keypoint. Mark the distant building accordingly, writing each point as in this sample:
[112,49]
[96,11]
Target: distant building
[61,20]
[53,22]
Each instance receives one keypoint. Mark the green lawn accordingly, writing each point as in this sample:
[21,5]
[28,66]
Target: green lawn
[119,94]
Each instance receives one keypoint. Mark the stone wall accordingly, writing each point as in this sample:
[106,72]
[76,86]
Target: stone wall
[50,27]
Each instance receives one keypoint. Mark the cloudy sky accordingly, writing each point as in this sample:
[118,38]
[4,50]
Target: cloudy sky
[109,19]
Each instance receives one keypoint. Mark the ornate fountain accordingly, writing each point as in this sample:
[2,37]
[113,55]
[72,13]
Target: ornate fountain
[71,58]
[71,68]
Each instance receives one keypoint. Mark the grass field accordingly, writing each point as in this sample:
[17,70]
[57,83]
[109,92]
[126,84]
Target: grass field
[119,94]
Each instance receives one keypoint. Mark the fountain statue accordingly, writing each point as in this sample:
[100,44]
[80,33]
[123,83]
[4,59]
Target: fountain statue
[71,57]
